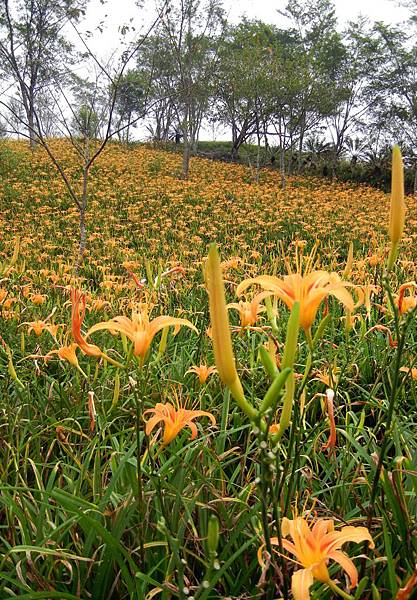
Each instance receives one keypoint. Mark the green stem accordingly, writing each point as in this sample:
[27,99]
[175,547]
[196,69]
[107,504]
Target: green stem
[338,591]
[387,433]
[309,339]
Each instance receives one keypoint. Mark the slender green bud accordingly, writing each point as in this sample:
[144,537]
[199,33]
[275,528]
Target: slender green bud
[291,341]
[222,341]
[212,535]
[272,395]
[349,262]
[12,370]
[163,342]
[116,391]
[267,362]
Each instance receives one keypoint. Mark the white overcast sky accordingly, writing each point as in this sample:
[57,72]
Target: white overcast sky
[115,13]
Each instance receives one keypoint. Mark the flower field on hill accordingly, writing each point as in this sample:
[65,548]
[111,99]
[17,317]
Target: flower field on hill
[178,421]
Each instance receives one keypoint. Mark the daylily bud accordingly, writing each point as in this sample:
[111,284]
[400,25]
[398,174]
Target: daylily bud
[116,392]
[375,592]
[91,411]
[12,370]
[397,211]
[291,341]
[272,395]
[291,344]
[124,343]
[222,342]
[267,362]
[349,262]
[213,534]
[163,342]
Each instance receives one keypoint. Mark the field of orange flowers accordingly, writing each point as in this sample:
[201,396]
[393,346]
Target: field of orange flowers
[220,401]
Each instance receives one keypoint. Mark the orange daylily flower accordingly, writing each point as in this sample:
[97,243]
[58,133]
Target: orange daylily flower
[53,328]
[139,329]
[203,372]
[313,546]
[249,311]
[309,290]
[67,353]
[38,298]
[37,327]
[365,293]
[174,420]
[98,304]
[329,377]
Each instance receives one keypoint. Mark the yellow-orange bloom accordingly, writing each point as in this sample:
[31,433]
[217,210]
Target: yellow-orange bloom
[174,420]
[36,326]
[313,546]
[309,290]
[69,354]
[248,311]
[38,298]
[139,329]
[203,372]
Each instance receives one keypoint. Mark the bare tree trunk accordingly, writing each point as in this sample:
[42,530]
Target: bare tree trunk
[334,164]
[32,134]
[31,118]
[186,155]
[82,221]
[415,180]
[83,231]
[83,205]
[186,158]
[258,154]
[282,166]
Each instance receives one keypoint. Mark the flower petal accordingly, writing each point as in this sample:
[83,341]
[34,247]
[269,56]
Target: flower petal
[152,422]
[112,325]
[343,296]
[192,414]
[321,527]
[336,539]
[268,282]
[193,428]
[301,582]
[165,321]
[346,564]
